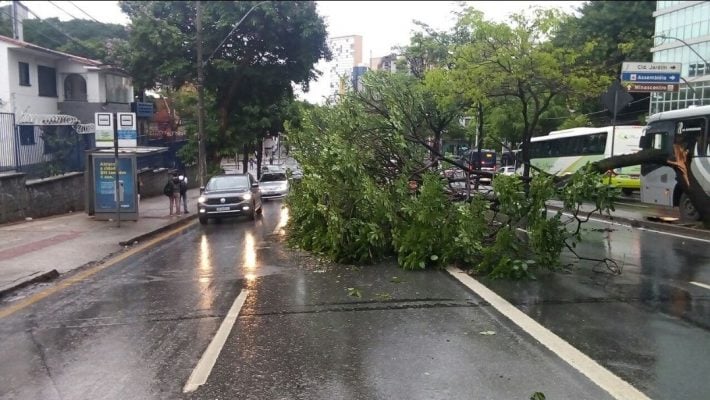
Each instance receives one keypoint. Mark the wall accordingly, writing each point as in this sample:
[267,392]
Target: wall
[56,195]
[20,198]
[26,98]
[13,197]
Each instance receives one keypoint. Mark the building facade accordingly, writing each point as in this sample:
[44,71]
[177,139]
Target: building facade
[678,22]
[347,54]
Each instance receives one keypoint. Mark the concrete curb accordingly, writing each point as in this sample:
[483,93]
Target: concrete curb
[172,225]
[657,226]
[54,274]
[43,277]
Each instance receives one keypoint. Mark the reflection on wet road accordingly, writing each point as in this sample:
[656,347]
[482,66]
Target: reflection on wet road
[138,329]
[650,325]
[134,330]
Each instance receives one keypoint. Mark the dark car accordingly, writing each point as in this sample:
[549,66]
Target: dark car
[229,196]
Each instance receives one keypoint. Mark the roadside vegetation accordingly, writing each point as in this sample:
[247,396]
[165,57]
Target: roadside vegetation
[373,187]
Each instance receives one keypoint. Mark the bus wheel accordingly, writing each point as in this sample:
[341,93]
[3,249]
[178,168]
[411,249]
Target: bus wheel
[687,209]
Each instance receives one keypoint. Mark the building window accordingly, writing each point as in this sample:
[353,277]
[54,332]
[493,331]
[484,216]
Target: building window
[24,74]
[74,88]
[118,89]
[27,135]
[47,81]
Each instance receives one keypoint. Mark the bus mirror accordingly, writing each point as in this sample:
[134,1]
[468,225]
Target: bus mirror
[645,142]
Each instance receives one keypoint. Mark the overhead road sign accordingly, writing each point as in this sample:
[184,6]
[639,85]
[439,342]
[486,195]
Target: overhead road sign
[653,77]
[645,77]
[651,67]
[649,87]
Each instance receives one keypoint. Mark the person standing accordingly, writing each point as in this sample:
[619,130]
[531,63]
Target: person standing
[172,190]
[183,192]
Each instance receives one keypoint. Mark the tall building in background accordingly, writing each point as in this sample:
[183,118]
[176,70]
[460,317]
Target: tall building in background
[385,63]
[678,22]
[347,54]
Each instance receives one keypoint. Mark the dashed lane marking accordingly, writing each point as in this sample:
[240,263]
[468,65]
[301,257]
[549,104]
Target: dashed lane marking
[702,285]
[202,370]
[615,386]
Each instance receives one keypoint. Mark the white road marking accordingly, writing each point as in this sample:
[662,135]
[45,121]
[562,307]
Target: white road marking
[209,357]
[641,228]
[615,386]
[702,285]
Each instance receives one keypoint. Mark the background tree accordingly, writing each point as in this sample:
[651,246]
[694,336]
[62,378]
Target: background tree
[278,44]
[613,32]
[518,62]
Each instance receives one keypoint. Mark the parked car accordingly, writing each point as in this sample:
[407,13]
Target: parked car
[274,185]
[229,196]
[507,170]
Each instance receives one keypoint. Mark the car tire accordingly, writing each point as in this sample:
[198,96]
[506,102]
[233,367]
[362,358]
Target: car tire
[688,212]
[203,220]
[627,191]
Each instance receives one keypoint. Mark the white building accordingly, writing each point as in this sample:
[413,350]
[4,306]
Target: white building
[347,53]
[682,35]
[38,81]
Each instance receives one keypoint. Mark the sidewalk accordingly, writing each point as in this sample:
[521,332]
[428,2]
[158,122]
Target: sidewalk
[45,248]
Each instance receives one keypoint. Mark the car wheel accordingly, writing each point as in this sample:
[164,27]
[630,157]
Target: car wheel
[688,212]
[203,220]
[627,192]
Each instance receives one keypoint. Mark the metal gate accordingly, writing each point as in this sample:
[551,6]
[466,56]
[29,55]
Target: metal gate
[8,147]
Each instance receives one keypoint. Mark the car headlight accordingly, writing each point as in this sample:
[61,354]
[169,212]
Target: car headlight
[201,199]
[247,196]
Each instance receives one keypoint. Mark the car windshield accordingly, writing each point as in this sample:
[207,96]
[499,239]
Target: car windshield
[228,183]
[273,177]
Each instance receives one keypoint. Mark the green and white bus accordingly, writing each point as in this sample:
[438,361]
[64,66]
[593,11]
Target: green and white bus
[564,152]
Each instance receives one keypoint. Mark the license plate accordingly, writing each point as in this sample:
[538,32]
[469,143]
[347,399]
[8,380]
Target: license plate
[222,208]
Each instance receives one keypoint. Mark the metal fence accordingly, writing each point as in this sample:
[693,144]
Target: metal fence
[8,155]
[43,151]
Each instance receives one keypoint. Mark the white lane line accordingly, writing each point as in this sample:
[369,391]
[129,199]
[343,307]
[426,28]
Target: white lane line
[702,285]
[615,386]
[641,228]
[209,357]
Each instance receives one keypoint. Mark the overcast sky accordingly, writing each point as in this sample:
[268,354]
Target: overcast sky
[382,24]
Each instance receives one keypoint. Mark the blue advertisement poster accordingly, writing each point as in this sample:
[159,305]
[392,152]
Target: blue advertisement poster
[105,184]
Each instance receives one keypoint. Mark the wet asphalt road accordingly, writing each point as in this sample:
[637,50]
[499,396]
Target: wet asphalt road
[138,328]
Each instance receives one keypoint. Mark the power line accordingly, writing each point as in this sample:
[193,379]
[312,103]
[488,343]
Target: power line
[58,30]
[599,112]
[61,9]
[53,39]
[85,13]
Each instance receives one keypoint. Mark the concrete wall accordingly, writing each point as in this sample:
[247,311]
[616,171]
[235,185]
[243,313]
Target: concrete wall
[55,195]
[13,197]
[20,198]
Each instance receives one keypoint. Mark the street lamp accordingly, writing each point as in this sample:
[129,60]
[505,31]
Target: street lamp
[201,147]
[695,93]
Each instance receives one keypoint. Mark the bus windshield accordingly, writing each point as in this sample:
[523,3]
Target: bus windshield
[659,135]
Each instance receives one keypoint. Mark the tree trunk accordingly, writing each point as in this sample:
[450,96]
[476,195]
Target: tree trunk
[259,155]
[245,161]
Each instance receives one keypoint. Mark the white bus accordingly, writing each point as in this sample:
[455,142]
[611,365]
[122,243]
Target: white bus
[658,183]
[564,152]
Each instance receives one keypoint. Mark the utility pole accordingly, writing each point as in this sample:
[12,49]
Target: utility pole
[201,148]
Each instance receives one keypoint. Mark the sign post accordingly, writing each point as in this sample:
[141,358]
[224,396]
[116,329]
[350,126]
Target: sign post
[646,77]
